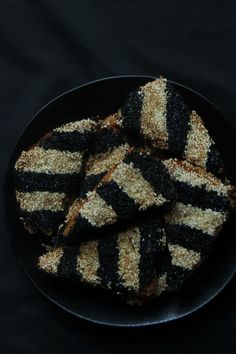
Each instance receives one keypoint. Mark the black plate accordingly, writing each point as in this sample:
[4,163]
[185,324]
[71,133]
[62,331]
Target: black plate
[103,97]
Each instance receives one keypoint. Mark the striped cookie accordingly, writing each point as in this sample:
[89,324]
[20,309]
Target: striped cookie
[123,262]
[48,173]
[157,113]
[194,221]
[135,185]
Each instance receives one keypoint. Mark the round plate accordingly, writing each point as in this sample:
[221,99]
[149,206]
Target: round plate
[103,97]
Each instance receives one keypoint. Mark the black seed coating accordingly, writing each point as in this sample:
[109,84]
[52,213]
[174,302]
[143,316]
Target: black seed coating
[108,262]
[68,141]
[178,116]
[189,238]
[32,181]
[214,162]
[163,261]
[43,220]
[120,202]
[200,197]
[151,233]
[176,276]
[131,112]
[82,225]
[89,184]
[68,263]
[154,171]
[105,140]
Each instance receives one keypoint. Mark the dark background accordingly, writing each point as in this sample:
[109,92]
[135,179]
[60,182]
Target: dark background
[47,47]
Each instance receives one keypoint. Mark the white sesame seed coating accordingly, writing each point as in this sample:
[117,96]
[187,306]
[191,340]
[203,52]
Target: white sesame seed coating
[80,126]
[88,262]
[207,220]
[198,141]
[41,201]
[153,116]
[129,255]
[182,257]
[49,161]
[103,162]
[97,211]
[50,261]
[183,171]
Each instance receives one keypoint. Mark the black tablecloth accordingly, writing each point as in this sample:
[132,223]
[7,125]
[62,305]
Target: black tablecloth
[47,47]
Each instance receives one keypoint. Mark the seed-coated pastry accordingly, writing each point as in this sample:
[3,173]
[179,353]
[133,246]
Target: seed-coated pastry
[48,174]
[194,221]
[108,147]
[132,200]
[136,184]
[158,113]
[123,262]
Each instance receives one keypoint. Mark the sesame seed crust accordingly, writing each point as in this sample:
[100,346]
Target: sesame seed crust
[198,141]
[153,116]
[103,162]
[183,257]
[128,264]
[49,161]
[97,211]
[80,126]
[207,221]
[41,201]
[49,262]
[88,262]
[183,171]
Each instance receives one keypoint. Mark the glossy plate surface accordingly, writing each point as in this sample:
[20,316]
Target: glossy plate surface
[103,97]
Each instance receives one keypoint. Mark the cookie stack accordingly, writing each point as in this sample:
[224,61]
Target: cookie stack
[132,202]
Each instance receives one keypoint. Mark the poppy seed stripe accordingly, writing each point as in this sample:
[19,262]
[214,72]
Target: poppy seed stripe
[44,182]
[201,198]
[108,262]
[176,276]
[117,199]
[151,244]
[81,225]
[105,140]
[89,183]
[189,238]
[70,141]
[131,112]
[67,266]
[214,161]
[178,115]
[45,221]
